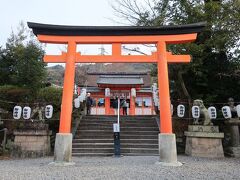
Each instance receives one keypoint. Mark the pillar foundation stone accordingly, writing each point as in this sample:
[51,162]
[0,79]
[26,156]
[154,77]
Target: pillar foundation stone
[63,149]
[167,150]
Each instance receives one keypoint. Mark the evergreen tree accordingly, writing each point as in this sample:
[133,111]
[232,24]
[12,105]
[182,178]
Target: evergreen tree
[213,74]
[21,61]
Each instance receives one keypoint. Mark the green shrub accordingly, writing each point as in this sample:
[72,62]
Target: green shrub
[18,95]
[51,95]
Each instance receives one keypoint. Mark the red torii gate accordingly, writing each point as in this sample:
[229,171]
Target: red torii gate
[116,35]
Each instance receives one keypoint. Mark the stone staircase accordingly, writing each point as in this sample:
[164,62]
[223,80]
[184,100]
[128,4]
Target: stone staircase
[94,136]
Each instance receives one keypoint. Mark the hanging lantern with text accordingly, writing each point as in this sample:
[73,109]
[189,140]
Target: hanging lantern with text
[26,112]
[226,111]
[180,110]
[84,93]
[17,111]
[107,92]
[238,110]
[155,94]
[133,92]
[77,102]
[195,112]
[212,112]
[48,111]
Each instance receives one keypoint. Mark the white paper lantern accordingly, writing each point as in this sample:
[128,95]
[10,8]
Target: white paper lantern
[155,94]
[133,92]
[238,110]
[26,112]
[195,112]
[48,111]
[180,110]
[17,111]
[81,98]
[212,112]
[107,92]
[226,111]
[77,102]
[154,87]
[83,94]
[75,89]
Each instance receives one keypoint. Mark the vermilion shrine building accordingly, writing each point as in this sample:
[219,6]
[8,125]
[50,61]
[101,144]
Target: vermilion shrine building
[120,85]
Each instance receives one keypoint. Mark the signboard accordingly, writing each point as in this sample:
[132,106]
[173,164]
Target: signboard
[116,127]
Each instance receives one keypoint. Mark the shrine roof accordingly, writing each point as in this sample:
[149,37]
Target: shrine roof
[120,80]
[63,30]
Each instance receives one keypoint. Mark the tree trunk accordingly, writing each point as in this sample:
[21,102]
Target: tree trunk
[185,91]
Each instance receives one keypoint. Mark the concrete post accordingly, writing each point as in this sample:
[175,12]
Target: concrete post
[167,150]
[63,149]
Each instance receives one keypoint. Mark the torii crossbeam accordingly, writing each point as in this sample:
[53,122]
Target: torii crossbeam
[117,35]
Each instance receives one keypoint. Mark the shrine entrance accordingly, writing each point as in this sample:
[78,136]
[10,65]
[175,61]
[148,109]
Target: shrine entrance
[116,36]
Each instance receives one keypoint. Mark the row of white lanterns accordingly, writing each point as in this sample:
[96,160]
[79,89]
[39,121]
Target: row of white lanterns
[212,111]
[25,112]
[80,98]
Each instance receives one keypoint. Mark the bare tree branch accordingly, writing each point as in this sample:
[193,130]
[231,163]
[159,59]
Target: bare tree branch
[134,50]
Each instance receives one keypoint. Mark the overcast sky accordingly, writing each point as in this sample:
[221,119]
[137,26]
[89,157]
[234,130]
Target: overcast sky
[66,12]
[62,12]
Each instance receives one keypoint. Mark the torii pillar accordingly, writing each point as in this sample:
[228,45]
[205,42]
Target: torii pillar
[166,139]
[73,35]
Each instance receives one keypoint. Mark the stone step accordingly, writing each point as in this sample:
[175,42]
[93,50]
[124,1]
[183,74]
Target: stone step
[94,137]
[110,136]
[93,150]
[127,118]
[124,124]
[110,132]
[110,128]
[121,122]
[91,154]
[144,141]
[115,116]
[111,150]
[139,150]
[92,140]
[111,145]
[140,154]
[111,154]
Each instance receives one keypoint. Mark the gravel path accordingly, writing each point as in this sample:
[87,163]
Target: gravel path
[120,168]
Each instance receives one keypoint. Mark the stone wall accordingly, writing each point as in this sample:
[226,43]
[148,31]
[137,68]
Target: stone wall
[31,143]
